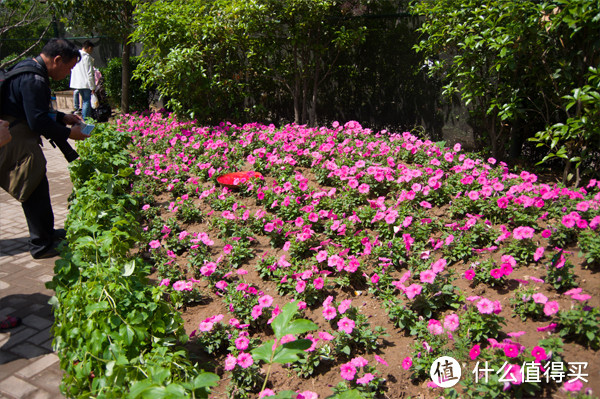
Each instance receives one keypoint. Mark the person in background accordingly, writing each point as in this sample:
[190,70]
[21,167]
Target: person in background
[83,80]
[5,137]
[26,105]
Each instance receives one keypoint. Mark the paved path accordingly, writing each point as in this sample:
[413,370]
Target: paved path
[28,366]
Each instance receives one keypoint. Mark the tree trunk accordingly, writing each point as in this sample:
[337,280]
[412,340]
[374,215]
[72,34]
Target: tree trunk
[125,75]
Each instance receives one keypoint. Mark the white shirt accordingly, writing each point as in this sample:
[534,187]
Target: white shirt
[82,74]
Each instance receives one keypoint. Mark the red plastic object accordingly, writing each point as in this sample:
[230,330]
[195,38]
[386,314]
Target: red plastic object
[234,179]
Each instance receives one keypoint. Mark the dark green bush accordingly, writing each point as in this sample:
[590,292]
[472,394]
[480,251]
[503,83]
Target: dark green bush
[138,96]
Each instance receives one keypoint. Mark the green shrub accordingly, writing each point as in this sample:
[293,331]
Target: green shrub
[138,96]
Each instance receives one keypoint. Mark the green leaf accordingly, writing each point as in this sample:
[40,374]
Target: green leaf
[283,318]
[286,355]
[263,352]
[298,327]
[206,380]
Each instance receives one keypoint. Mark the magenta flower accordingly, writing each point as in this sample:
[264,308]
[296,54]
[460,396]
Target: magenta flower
[511,350]
[319,283]
[347,371]
[506,269]
[475,351]
[550,308]
[407,363]
[496,273]
[546,233]
[346,325]
[245,360]
[538,353]
[469,274]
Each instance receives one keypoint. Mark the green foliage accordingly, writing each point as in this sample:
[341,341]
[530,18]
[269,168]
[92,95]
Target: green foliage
[522,68]
[139,96]
[115,334]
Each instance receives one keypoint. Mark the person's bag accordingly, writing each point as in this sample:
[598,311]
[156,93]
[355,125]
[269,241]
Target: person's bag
[94,101]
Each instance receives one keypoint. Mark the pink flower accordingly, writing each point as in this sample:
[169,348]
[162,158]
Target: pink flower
[538,253]
[407,363]
[205,326]
[496,273]
[549,327]
[329,312]
[244,360]
[365,379]
[485,306]
[325,336]
[439,265]
[413,290]
[539,298]
[451,322]
[319,283]
[359,361]
[427,276]
[538,353]
[242,343]
[506,269]
[307,395]
[346,325]
[344,306]
[511,350]
[265,301]
[256,312]
[300,286]
[574,386]
[380,360]
[230,362]
[154,244]
[435,327]
[267,392]
[523,232]
[165,282]
[347,371]
[469,274]
[363,188]
[550,308]
[515,371]
[425,204]
[475,351]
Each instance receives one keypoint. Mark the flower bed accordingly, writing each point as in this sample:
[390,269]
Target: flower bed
[360,258]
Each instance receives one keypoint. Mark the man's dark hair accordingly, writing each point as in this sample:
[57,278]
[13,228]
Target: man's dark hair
[66,49]
[88,43]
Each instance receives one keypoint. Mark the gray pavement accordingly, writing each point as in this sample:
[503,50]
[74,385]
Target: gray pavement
[28,366]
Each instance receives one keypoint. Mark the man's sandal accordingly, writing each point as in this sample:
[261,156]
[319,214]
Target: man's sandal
[10,322]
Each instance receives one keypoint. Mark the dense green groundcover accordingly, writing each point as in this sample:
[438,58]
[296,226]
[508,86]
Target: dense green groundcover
[115,335]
